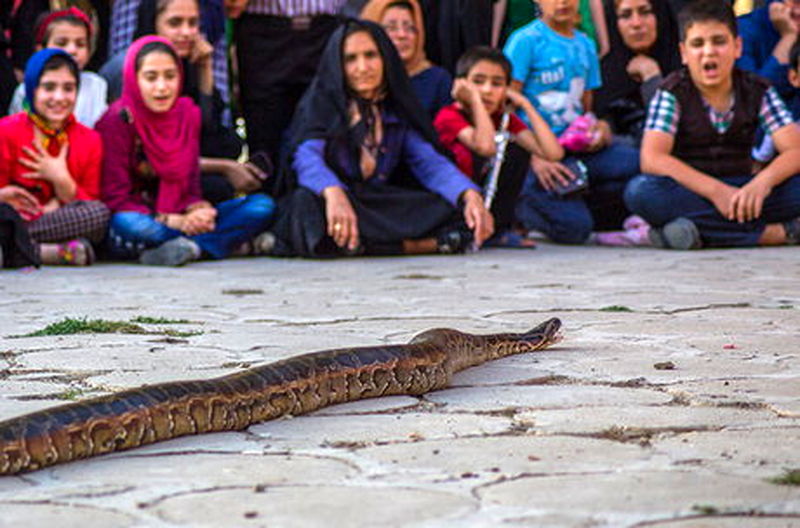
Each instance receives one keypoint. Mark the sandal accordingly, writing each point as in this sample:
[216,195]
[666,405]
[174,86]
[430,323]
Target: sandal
[511,239]
[77,252]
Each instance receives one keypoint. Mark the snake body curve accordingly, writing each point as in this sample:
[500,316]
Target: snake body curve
[293,386]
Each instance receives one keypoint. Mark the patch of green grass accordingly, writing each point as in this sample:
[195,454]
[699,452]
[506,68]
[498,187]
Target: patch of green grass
[72,326]
[177,333]
[144,319]
[705,509]
[789,478]
[70,394]
[615,308]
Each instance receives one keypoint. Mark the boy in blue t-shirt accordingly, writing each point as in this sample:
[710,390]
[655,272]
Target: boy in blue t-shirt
[556,67]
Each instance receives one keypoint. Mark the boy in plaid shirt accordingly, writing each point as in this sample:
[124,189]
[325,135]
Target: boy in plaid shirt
[699,188]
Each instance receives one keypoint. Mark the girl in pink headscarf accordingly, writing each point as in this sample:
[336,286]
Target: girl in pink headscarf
[151,173]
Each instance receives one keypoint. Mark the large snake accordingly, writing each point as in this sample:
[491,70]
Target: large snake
[293,386]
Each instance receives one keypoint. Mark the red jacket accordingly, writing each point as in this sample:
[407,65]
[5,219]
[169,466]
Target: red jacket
[84,158]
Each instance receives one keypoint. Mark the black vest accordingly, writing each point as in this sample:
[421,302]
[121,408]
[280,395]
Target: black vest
[698,143]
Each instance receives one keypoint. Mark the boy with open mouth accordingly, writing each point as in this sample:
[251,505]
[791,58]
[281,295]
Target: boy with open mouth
[699,189]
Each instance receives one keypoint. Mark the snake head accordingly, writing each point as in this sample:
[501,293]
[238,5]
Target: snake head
[544,334]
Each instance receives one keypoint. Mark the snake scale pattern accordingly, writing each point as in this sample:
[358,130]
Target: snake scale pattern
[293,386]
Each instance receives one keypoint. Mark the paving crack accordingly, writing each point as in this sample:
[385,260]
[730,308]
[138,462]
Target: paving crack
[704,307]
[721,515]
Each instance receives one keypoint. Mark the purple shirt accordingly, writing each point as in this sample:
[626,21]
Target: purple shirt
[400,143]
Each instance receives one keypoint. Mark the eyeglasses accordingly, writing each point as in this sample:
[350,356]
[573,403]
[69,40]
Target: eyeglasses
[405,28]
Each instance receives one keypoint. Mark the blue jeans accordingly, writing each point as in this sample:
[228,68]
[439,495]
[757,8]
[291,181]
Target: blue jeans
[569,220]
[238,221]
[660,199]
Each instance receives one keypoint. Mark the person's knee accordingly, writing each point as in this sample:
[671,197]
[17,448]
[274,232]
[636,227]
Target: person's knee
[639,192]
[131,225]
[257,210]
[576,231]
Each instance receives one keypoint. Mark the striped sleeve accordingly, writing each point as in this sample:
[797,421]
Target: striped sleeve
[664,113]
[773,114]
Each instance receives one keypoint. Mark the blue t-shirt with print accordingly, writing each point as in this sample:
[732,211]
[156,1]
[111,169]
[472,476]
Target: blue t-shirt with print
[554,70]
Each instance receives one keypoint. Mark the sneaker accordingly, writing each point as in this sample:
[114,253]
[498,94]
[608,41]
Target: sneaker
[681,233]
[264,243]
[175,252]
[637,236]
[77,252]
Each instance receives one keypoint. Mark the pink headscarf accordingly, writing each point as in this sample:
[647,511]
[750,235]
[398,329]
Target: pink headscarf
[171,139]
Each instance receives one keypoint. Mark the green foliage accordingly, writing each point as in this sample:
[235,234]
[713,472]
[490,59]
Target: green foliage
[144,319]
[615,308]
[789,478]
[72,326]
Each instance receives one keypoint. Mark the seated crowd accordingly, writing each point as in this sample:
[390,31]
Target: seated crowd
[668,124]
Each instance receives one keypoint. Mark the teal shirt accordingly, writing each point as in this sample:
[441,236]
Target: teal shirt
[554,70]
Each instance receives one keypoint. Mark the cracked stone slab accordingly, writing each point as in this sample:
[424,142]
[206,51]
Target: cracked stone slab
[639,496]
[61,515]
[775,391]
[592,410]
[762,453]
[598,419]
[502,456]
[123,355]
[203,470]
[498,398]
[313,506]
[729,521]
[360,430]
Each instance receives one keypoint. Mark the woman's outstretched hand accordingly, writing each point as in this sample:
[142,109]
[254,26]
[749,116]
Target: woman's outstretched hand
[477,217]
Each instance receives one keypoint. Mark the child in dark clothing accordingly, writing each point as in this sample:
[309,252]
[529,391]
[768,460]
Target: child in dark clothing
[468,128]
[557,68]
[766,149]
[701,190]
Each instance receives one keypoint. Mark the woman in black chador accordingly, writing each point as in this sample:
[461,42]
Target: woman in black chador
[366,174]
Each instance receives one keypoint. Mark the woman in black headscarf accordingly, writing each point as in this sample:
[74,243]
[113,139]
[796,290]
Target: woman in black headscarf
[644,48]
[366,174]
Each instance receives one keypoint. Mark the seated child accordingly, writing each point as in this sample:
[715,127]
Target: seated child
[700,190]
[151,170]
[50,164]
[468,128]
[766,150]
[70,30]
[556,67]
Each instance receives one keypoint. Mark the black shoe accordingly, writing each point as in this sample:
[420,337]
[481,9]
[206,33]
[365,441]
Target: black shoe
[455,241]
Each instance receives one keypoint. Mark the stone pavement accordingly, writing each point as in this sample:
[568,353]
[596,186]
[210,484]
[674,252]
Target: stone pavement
[672,401]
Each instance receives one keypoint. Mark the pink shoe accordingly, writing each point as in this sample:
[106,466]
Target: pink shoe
[638,237]
[633,222]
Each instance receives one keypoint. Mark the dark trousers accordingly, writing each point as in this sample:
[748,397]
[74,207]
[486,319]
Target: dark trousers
[570,220]
[509,185]
[276,65]
[660,199]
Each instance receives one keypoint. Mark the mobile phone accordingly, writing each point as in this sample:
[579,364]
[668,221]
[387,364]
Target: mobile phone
[579,184]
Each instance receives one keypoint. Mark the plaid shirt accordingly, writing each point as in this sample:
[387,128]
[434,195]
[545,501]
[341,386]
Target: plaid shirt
[664,113]
[123,24]
[124,16]
[292,8]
